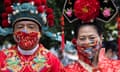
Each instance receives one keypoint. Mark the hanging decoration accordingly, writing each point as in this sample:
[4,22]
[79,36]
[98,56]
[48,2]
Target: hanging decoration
[62,33]
[118,22]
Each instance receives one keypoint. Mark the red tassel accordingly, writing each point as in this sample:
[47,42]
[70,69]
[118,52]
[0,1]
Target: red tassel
[40,9]
[5,23]
[7,3]
[4,15]
[9,9]
[62,20]
[37,2]
[44,2]
[63,40]
[118,20]
[51,23]
[62,35]
[49,11]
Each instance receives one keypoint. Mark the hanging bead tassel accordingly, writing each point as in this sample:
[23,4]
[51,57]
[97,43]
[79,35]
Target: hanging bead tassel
[118,22]
[62,35]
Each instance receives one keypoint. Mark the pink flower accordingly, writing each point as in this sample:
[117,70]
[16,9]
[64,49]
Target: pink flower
[69,12]
[106,12]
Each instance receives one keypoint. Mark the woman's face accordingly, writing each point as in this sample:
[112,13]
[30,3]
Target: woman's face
[87,36]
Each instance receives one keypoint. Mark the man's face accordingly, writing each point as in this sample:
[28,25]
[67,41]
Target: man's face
[29,28]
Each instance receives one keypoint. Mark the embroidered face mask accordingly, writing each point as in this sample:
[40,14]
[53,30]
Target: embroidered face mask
[26,40]
[92,48]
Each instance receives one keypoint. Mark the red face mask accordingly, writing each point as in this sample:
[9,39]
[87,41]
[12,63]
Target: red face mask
[26,40]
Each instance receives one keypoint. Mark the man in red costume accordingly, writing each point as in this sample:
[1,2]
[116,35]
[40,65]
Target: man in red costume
[28,20]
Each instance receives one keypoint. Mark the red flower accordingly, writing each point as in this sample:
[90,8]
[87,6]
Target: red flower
[4,15]
[9,9]
[49,11]
[51,23]
[7,2]
[37,2]
[86,9]
[74,41]
[40,9]
[50,17]
[43,2]
[5,23]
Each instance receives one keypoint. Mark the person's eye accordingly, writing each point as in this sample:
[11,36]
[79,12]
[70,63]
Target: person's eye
[31,26]
[92,37]
[19,26]
[82,38]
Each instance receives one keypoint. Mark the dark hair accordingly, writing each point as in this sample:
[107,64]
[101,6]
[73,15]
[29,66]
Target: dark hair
[110,45]
[98,27]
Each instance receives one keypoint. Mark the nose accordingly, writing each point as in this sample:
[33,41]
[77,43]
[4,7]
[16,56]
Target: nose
[87,42]
[25,30]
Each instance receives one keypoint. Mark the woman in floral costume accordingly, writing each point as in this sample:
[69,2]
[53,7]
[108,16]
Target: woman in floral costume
[88,43]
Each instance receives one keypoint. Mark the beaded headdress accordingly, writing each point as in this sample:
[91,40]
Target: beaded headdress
[34,10]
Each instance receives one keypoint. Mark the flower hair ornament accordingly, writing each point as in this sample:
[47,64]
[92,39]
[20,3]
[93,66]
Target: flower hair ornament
[85,10]
[34,10]
[88,10]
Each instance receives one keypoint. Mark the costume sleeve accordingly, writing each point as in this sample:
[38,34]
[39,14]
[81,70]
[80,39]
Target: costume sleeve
[3,62]
[74,67]
[107,65]
[56,65]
